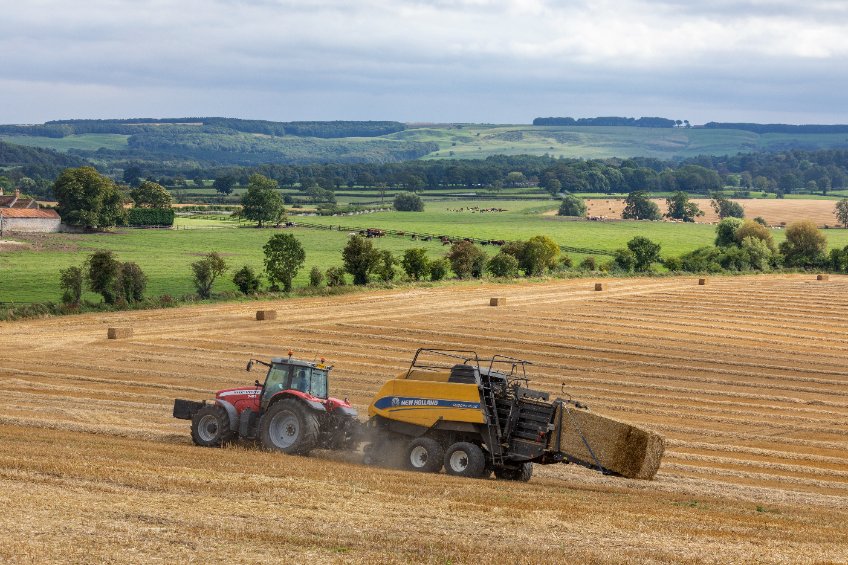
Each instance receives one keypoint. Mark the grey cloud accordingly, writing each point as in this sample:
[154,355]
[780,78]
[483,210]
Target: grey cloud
[475,60]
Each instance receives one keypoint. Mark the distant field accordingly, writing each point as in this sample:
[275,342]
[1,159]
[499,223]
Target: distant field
[475,141]
[775,212]
[88,141]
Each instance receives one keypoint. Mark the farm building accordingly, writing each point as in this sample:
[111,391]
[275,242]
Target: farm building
[23,215]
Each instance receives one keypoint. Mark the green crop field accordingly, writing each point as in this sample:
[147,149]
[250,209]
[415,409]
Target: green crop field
[88,141]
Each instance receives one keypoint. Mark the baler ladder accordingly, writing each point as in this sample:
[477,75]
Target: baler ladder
[494,439]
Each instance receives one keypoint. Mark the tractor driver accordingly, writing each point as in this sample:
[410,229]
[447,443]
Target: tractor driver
[300,380]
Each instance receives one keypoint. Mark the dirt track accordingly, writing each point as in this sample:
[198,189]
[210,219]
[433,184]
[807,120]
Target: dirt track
[746,378]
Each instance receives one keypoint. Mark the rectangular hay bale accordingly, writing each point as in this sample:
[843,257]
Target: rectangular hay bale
[620,447]
[702,282]
[497,301]
[600,286]
[266,314]
[119,333]
[822,278]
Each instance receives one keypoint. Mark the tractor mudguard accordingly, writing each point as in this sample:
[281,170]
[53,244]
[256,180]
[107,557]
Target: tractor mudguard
[231,412]
[345,411]
[303,397]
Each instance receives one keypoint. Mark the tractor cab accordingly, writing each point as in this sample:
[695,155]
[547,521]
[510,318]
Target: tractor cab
[297,376]
[302,378]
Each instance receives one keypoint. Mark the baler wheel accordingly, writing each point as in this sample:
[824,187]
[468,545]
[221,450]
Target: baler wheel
[425,454]
[465,459]
[522,474]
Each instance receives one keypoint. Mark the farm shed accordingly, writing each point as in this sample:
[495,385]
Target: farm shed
[28,220]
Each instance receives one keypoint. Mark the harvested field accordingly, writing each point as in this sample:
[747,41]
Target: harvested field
[744,377]
[775,212]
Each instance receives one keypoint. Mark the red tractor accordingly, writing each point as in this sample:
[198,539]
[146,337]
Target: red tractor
[290,412]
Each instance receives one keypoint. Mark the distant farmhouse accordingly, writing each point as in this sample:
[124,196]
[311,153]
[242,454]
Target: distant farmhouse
[23,215]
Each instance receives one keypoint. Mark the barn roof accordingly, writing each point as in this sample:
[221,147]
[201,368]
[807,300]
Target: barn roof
[17,202]
[29,213]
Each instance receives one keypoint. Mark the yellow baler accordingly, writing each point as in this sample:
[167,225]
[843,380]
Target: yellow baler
[477,416]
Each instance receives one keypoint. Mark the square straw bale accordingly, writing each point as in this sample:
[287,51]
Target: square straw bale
[119,333]
[620,447]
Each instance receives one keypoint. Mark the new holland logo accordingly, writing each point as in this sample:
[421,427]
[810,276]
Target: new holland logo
[395,401]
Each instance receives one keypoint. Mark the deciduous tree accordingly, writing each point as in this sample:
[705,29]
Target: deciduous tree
[206,271]
[360,258]
[262,203]
[149,194]
[804,245]
[88,199]
[284,256]
[639,206]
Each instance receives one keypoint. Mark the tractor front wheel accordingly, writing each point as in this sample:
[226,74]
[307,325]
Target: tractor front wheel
[288,426]
[210,426]
[465,459]
[425,454]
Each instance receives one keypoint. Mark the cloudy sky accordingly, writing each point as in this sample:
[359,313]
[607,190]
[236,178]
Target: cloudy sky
[498,61]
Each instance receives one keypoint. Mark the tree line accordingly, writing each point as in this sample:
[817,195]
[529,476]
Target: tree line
[779,173]
[132,126]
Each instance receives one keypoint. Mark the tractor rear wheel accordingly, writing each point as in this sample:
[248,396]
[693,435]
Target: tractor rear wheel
[210,426]
[288,426]
[465,459]
[425,454]
[523,473]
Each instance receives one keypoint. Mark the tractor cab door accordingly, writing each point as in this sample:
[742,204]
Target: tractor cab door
[311,380]
[277,379]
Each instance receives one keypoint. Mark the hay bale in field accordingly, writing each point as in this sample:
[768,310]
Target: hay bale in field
[600,286]
[266,315]
[620,447]
[497,301]
[119,333]
[702,282]
[822,277]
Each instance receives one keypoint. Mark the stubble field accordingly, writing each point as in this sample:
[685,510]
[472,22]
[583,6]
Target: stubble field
[775,212]
[745,377]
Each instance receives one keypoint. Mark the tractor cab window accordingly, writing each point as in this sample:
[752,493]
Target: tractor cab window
[318,383]
[275,381]
[309,380]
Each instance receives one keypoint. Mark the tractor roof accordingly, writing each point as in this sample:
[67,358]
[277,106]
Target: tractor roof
[298,362]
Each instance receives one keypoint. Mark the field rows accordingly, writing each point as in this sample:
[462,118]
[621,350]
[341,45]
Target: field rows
[745,377]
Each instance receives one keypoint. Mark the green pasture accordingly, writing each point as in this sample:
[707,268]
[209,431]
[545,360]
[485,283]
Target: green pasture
[32,274]
[88,141]
[165,256]
[524,220]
